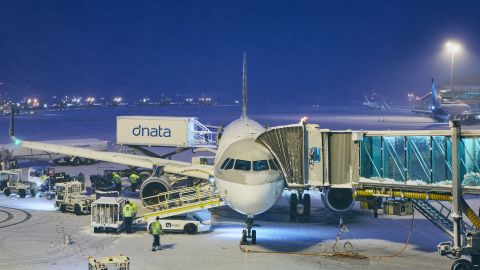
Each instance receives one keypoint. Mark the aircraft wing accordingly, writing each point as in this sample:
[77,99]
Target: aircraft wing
[170,166]
[424,112]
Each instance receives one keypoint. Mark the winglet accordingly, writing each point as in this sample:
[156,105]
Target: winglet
[244,87]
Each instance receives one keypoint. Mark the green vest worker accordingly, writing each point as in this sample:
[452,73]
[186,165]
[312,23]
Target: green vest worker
[128,216]
[44,178]
[156,231]
[134,181]
[134,208]
[118,181]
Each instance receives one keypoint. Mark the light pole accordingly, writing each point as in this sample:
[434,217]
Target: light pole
[452,47]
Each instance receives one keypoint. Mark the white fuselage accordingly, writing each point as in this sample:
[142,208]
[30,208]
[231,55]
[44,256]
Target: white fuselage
[246,174]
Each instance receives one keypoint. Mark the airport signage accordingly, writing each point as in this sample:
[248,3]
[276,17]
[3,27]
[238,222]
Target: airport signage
[154,130]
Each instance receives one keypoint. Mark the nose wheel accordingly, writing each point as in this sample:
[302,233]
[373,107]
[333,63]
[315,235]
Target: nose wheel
[249,236]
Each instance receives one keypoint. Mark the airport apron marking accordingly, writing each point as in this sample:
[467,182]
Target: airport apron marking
[27,216]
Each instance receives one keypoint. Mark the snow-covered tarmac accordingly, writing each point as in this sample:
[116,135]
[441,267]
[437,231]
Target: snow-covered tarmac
[38,242]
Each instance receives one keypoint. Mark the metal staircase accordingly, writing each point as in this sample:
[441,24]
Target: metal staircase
[439,217]
[177,202]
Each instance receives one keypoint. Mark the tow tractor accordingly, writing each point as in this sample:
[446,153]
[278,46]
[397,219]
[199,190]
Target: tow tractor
[71,197]
[22,182]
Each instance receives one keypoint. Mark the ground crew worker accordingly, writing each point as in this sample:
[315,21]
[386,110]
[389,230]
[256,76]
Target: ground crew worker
[134,209]
[134,181]
[117,180]
[128,216]
[45,184]
[156,231]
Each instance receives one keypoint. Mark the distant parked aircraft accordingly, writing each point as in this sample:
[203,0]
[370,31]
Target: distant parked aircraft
[375,105]
[448,111]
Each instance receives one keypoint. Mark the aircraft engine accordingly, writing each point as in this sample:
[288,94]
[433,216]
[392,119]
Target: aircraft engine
[153,186]
[338,199]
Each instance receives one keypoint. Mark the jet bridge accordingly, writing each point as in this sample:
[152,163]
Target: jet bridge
[418,165]
[312,157]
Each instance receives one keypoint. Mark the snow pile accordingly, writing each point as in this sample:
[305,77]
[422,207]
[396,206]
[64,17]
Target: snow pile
[471,179]
[443,183]
[416,183]
[378,179]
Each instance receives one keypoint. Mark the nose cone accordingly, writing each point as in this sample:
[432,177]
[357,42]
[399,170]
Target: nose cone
[251,199]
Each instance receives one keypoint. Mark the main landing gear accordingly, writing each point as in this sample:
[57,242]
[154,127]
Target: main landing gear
[249,236]
[299,199]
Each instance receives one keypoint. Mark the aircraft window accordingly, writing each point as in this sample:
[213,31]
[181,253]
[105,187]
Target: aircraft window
[243,165]
[229,164]
[273,165]
[225,163]
[260,165]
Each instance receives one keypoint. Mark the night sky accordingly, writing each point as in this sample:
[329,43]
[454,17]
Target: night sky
[298,51]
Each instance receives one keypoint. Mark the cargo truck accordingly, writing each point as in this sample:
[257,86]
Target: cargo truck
[22,182]
[71,197]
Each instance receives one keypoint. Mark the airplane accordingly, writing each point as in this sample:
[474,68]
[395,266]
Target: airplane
[447,111]
[245,173]
[373,105]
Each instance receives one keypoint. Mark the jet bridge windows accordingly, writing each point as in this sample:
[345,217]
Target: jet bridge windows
[243,165]
[260,165]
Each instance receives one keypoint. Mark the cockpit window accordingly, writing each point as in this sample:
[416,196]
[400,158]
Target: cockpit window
[273,166]
[243,165]
[225,163]
[260,165]
[229,165]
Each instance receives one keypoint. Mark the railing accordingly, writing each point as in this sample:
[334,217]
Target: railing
[202,136]
[192,196]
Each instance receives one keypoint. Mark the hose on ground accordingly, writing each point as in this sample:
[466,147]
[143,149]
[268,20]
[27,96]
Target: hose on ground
[348,248]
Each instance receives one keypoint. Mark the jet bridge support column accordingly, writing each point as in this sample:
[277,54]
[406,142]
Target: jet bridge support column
[456,187]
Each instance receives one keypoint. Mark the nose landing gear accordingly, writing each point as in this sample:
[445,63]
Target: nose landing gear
[249,236]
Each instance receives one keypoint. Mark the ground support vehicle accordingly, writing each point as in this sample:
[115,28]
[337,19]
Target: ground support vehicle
[103,180]
[188,213]
[121,262]
[190,223]
[107,214]
[71,197]
[22,182]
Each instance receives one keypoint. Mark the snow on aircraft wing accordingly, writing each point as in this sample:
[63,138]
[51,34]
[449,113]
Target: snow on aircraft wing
[170,166]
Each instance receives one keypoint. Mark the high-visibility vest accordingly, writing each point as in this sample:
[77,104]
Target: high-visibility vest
[116,178]
[134,178]
[156,228]
[127,211]
[44,178]
[134,207]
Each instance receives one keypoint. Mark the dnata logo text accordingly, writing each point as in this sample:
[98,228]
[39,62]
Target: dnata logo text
[151,132]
